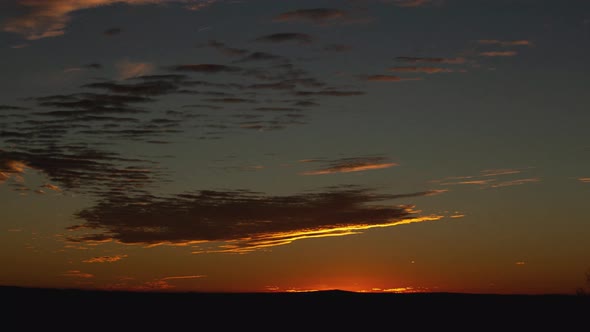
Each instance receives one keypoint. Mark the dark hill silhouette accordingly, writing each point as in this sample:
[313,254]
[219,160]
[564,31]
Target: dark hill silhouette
[330,309]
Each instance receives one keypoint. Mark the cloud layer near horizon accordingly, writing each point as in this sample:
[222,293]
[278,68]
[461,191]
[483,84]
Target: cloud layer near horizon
[241,220]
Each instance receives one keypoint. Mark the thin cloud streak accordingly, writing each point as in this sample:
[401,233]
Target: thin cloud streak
[43,19]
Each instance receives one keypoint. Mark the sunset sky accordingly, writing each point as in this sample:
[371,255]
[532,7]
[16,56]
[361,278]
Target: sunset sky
[295,145]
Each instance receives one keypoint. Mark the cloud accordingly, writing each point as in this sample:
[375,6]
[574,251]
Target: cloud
[451,61]
[389,78]
[43,19]
[414,69]
[505,42]
[347,165]
[302,38]
[488,179]
[498,53]
[51,187]
[206,68]
[315,15]
[516,182]
[128,69]
[411,3]
[104,259]
[77,274]
[230,51]
[584,180]
[112,31]
[241,220]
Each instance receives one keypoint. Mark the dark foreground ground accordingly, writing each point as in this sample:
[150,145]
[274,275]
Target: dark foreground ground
[332,310]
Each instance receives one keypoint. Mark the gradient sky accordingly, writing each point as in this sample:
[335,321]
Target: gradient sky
[264,145]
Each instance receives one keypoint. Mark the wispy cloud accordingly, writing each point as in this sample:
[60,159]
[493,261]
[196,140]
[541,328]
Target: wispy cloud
[522,42]
[112,31]
[414,69]
[489,178]
[389,78]
[301,38]
[128,69]
[240,220]
[42,19]
[315,15]
[498,53]
[451,61]
[411,3]
[77,274]
[104,259]
[584,180]
[347,165]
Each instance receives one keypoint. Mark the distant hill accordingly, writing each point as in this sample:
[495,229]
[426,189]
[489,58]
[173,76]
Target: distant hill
[330,308]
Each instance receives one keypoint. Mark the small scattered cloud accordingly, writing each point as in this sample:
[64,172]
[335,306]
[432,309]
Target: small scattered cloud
[520,263]
[347,165]
[104,259]
[129,69]
[206,68]
[411,3]
[230,51]
[44,19]
[389,78]
[414,69]
[112,31]
[301,38]
[77,274]
[51,187]
[498,53]
[584,180]
[516,182]
[522,42]
[451,61]
[315,15]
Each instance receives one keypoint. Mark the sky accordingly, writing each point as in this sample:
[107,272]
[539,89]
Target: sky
[286,146]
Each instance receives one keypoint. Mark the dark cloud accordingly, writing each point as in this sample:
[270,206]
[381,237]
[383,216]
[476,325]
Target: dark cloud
[207,68]
[80,168]
[411,3]
[260,56]
[230,51]
[457,60]
[315,15]
[337,48]
[112,31]
[389,78]
[248,220]
[414,69]
[330,92]
[12,108]
[498,53]
[286,37]
[93,66]
[347,165]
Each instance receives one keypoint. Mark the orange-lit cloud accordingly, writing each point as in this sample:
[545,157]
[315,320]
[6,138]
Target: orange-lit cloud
[128,69]
[584,180]
[159,284]
[49,18]
[411,3]
[516,182]
[389,78]
[505,42]
[77,274]
[414,69]
[498,53]
[240,221]
[347,165]
[520,263]
[51,187]
[104,259]
[315,15]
